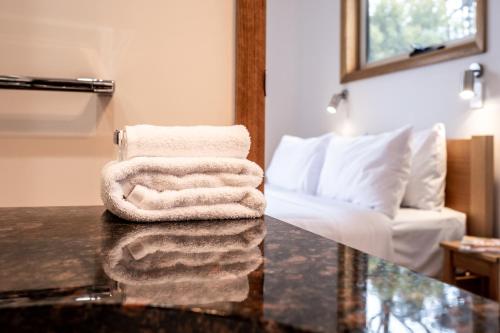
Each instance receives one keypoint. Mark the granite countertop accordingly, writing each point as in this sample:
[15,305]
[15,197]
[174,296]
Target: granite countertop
[81,269]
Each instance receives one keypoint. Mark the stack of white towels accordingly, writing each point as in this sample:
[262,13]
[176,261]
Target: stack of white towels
[183,173]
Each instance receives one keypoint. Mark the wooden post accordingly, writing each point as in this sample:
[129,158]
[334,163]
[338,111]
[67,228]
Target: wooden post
[250,72]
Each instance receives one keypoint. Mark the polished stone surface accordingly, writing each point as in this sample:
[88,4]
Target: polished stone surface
[56,265]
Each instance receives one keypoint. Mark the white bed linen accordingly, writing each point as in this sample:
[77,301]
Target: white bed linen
[411,239]
[417,233]
[360,228]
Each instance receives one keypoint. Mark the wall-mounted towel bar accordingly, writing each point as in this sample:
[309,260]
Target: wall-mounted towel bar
[38,83]
[117,137]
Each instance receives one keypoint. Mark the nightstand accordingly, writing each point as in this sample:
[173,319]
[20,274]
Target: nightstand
[479,266]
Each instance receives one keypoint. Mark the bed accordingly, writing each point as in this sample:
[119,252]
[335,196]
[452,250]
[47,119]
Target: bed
[412,238]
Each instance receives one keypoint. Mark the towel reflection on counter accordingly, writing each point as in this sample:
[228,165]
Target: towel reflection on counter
[184,263]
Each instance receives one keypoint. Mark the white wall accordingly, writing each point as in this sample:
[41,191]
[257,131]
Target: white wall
[173,62]
[283,64]
[303,72]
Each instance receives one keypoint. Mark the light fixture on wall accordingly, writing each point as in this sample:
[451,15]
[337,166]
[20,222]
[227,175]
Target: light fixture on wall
[472,87]
[336,100]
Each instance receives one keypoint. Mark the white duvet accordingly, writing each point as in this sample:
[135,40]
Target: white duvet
[416,235]
[411,239]
[362,229]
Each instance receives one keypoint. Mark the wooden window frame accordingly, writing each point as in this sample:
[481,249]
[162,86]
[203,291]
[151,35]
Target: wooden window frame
[350,48]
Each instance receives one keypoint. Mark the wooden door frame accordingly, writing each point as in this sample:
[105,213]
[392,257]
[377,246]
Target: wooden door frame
[251,73]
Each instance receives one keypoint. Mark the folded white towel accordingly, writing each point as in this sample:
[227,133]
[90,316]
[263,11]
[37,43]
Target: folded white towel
[150,189]
[185,141]
[163,174]
[187,293]
[147,199]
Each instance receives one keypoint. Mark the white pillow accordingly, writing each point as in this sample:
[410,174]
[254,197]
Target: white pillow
[425,189]
[297,162]
[370,171]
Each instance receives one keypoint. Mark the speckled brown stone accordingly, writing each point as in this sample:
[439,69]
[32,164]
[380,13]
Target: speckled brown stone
[51,280]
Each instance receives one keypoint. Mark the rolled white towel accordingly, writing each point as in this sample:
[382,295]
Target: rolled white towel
[148,189]
[185,141]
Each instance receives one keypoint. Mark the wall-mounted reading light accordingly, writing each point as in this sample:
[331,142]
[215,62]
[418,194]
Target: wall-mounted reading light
[335,101]
[472,88]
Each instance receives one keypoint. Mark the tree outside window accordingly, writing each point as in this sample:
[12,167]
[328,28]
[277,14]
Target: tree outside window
[396,27]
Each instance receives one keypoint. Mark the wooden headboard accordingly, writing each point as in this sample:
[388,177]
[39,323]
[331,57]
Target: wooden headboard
[470,182]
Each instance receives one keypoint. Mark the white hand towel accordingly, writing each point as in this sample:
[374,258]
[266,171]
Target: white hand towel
[150,189]
[185,141]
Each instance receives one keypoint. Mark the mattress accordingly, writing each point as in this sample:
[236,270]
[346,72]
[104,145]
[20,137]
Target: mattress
[411,239]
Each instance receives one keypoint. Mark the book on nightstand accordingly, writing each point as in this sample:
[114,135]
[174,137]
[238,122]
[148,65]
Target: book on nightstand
[479,244]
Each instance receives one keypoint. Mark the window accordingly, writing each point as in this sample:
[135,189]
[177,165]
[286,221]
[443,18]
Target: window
[398,27]
[381,36]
